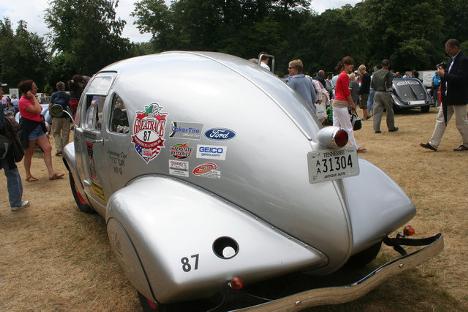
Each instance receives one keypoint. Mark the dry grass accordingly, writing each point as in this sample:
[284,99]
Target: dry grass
[54,258]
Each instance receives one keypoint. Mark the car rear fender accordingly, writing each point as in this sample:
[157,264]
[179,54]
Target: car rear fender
[173,226]
[69,159]
[376,205]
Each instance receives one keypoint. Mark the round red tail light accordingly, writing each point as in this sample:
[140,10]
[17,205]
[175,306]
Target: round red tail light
[236,283]
[341,138]
[408,230]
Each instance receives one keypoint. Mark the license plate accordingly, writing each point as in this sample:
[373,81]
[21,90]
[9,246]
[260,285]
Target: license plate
[417,102]
[328,165]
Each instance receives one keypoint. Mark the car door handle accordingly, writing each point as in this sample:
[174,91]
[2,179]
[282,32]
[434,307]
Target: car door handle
[94,141]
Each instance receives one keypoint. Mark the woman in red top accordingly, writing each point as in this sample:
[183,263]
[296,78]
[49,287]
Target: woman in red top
[33,130]
[343,101]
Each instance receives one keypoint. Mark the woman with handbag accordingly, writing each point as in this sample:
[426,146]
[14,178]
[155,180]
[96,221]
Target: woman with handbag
[33,130]
[7,163]
[343,101]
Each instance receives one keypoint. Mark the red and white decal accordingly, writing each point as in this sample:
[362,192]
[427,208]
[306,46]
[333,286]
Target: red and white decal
[148,132]
[208,170]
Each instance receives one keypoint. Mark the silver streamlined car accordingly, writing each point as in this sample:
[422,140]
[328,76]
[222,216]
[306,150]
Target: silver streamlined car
[410,93]
[212,173]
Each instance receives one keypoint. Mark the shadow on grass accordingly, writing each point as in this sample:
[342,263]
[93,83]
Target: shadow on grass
[415,111]
[408,291]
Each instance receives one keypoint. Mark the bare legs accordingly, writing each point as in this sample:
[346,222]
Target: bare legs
[28,153]
[365,115]
[44,143]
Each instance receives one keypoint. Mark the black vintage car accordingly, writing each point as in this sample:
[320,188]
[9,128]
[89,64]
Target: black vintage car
[410,93]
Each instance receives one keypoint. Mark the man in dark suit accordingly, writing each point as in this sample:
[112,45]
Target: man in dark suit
[454,97]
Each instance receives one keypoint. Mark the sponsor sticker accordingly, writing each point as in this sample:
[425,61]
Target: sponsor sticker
[186,130]
[220,134]
[148,132]
[179,168]
[181,151]
[98,190]
[208,170]
[211,152]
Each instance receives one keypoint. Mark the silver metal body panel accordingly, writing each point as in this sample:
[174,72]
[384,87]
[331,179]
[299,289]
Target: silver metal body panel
[410,93]
[69,157]
[376,207]
[127,257]
[264,170]
[168,220]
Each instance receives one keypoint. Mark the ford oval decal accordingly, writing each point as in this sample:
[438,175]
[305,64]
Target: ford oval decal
[220,134]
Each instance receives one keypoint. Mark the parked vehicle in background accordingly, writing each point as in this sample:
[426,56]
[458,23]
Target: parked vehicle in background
[408,93]
[426,77]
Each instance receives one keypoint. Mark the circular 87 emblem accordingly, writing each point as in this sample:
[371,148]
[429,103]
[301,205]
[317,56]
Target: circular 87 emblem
[148,132]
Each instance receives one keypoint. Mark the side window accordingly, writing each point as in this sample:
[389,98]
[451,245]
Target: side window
[93,118]
[119,118]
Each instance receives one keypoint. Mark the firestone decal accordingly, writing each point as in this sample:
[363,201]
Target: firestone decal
[181,151]
[148,132]
[208,170]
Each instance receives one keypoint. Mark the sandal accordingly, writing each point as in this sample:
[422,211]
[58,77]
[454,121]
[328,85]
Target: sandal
[57,176]
[31,179]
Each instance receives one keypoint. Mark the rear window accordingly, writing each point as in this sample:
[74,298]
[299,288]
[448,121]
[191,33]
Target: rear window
[101,83]
[119,118]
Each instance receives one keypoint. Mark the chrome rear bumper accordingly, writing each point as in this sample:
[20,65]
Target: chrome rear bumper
[350,292]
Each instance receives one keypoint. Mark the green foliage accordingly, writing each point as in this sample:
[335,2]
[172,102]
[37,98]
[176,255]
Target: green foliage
[396,27]
[464,45]
[86,35]
[412,54]
[410,33]
[23,55]
[456,17]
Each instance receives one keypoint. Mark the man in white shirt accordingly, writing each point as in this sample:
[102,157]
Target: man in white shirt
[264,62]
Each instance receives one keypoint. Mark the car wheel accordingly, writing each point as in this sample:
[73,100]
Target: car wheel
[147,305]
[425,109]
[195,306]
[364,257]
[80,202]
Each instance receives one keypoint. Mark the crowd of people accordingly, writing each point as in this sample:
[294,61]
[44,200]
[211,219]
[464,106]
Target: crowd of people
[349,89]
[19,142]
[333,99]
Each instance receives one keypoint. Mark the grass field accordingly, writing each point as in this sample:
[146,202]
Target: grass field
[54,258]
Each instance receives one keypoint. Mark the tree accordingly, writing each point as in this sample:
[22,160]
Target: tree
[154,16]
[456,19]
[393,27]
[240,27]
[86,35]
[412,54]
[331,36]
[23,55]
